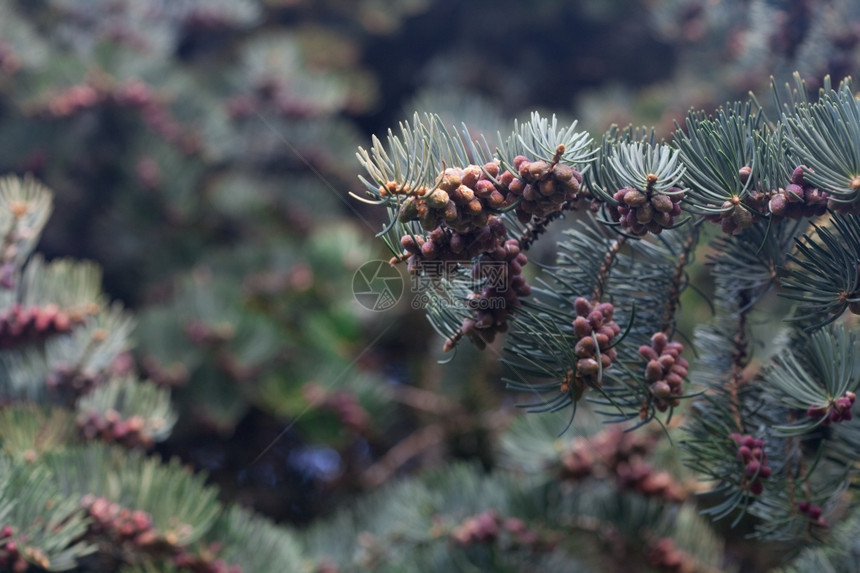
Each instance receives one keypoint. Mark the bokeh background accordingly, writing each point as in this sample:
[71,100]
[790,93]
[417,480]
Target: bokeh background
[202,152]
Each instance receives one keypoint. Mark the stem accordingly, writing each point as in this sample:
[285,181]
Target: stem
[603,273]
[675,289]
[740,359]
[405,450]
[397,259]
[424,400]
[536,228]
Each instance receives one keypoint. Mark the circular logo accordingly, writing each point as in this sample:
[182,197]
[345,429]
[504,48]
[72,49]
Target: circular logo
[376,285]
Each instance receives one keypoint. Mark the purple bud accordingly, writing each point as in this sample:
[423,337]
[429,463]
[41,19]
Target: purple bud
[581,327]
[582,306]
[797,175]
[653,371]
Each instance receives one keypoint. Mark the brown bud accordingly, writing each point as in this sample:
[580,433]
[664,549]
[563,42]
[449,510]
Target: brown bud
[462,194]
[547,187]
[496,200]
[662,203]
[584,347]
[450,214]
[538,169]
[645,213]
[483,188]
[587,367]
[451,179]
[797,175]
[596,318]
[742,217]
[635,198]
[605,361]
[728,226]
[659,341]
[438,199]
[531,193]
[457,243]
[662,219]
[562,172]
[647,352]
[408,210]
[470,176]
[492,169]
[428,250]
[661,389]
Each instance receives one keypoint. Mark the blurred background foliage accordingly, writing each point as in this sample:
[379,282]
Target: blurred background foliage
[201,152]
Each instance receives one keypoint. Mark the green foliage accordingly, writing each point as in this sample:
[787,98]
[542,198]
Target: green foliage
[758,402]
[199,149]
[825,279]
[67,501]
[47,524]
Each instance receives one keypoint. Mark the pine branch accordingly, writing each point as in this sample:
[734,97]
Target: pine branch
[255,543]
[25,206]
[824,277]
[127,411]
[43,527]
[182,508]
[767,429]
[29,430]
[824,135]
